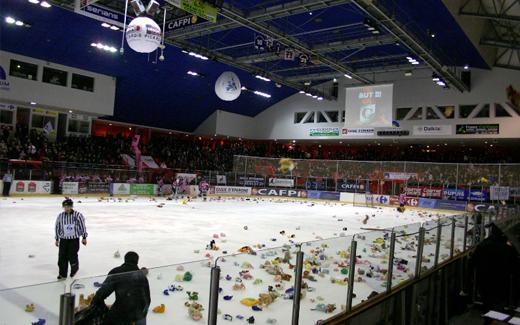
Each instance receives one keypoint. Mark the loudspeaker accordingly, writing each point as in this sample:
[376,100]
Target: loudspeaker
[334,91]
[465,76]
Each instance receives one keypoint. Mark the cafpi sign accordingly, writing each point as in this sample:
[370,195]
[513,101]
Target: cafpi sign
[4,83]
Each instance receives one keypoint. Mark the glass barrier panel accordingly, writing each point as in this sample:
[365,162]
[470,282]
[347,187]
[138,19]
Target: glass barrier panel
[405,253]
[459,235]
[257,283]
[445,246]
[326,272]
[430,240]
[372,263]
[26,305]
[179,293]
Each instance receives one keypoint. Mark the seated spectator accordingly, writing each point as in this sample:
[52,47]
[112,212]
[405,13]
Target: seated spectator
[132,293]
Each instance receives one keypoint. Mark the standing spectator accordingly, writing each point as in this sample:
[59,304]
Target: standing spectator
[132,293]
[7,180]
[70,226]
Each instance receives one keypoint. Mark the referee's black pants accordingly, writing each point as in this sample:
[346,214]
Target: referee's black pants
[68,253]
[7,187]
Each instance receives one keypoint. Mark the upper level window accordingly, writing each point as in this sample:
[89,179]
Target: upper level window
[82,82]
[23,70]
[54,76]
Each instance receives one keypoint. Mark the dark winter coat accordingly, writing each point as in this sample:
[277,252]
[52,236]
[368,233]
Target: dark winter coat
[496,263]
[132,294]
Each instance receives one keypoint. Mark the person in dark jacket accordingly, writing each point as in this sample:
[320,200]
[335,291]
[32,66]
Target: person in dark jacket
[132,293]
[495,263]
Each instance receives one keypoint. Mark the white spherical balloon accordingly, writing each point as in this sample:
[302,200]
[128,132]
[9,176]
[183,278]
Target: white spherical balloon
[227,86]
[143,35]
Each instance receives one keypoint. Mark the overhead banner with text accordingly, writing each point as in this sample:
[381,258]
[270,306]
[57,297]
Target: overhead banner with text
[199,8]
[100,13]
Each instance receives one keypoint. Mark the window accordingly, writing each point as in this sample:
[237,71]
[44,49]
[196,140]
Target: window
[321,118]
[447,111]
[23,70]
[309,118]
[418,114]
[333,115]
[82,82]
[465,110]
[78,126]
[6,117]
[39,121]
[500,111]
[298,117]
[401,113]
[484,112]
[54,76]
[430,114]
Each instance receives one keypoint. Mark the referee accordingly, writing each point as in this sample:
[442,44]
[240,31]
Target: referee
[70,225]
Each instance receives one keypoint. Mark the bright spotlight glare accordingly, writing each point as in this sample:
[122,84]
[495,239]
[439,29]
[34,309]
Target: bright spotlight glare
[45,4]
[10,20]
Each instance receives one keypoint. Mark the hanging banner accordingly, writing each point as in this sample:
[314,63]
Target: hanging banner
[149,162]
[478,128]
[100,13]
[357,132]
[182,22]
[221,180]
[200,8]
[142,189]
[70,188]
[399,176]
[324,132]
[432,130]
[281,182]
[499,193]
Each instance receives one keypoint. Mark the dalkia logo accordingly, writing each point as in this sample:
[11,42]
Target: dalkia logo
[4,83]
[20,186]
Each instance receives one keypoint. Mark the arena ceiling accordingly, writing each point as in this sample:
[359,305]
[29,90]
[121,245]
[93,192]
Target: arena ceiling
[332,34]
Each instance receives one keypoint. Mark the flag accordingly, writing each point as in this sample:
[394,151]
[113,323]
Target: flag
[47,129]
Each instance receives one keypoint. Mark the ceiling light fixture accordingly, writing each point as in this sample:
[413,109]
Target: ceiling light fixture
[105,47]
[466,67]
[193,73]
[10,20]
[198,56]
[105,25]
[259,93]
[45,4]
[262,78]
[19,23]
[348,76]
[33,103]
[34,1]
[114,28]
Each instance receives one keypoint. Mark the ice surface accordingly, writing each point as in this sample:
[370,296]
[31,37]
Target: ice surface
[177,233]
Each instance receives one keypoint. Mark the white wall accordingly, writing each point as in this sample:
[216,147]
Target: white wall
[235,125]
[23,91]
[226,123]
[209,126]
[277,122]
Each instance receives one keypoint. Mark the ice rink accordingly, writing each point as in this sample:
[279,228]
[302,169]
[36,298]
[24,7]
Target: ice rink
[169,232]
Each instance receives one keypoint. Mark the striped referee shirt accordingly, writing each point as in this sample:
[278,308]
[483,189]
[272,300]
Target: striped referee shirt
[76,220]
